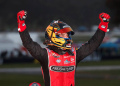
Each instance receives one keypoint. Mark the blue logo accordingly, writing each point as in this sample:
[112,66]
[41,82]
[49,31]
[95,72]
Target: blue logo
[49,50]
[66,61]
[72,49]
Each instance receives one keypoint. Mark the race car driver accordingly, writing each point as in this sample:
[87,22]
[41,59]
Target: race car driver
[59,60]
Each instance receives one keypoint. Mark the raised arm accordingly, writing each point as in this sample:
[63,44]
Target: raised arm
[87,48]
[34,48]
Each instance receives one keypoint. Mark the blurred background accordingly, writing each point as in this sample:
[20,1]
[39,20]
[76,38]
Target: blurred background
[19,68]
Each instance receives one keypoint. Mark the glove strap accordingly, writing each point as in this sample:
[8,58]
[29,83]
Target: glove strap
[21,26]
[103,26]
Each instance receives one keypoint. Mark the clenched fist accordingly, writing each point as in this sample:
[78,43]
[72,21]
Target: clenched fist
[104,18]
[21,16]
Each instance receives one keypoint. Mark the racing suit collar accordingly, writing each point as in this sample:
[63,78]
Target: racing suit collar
[60,51]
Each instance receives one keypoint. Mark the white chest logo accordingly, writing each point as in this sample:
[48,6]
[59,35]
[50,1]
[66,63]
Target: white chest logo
[58,60]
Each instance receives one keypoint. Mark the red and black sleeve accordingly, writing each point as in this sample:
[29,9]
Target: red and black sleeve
[87,48]
[34,48]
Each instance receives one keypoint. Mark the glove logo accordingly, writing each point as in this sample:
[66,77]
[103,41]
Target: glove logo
[103,26]
[23,24]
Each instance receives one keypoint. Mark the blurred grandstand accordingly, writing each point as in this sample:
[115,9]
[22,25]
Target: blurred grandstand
[11,48]
[81,15]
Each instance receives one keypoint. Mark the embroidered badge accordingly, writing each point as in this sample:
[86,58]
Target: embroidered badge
[58,60]
[54,55]
[66,61]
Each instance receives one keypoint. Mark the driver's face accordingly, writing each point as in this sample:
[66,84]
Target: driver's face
[63,35]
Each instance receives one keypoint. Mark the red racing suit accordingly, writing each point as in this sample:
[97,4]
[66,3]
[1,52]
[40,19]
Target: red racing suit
[59,69]
[61,65]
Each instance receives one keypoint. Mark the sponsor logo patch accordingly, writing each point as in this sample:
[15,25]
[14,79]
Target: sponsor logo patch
[72,60]
[54,55]
[72,49]
[67,56]
[62,68]
[103,26]
[23,24]
[58,60]
[66,61]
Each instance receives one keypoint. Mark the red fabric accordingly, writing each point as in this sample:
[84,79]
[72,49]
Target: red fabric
[24,49]
[103,24]
[104,15]
[58,78]
[21,23]
[42,73]
[32,84]
[65,30]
